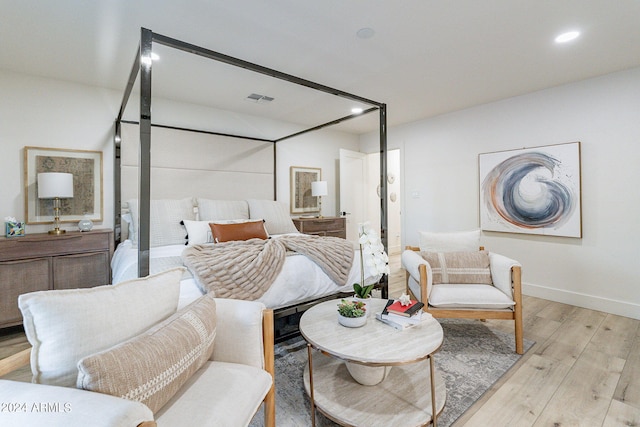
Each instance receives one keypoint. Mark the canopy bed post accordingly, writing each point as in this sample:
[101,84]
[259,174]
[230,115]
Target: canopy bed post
[144,170]
[117,182]
[384,203]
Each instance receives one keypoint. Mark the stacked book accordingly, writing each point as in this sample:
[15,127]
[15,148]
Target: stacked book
[402,316]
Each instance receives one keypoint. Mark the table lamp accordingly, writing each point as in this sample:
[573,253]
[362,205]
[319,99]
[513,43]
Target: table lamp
[56,186]
[319,189]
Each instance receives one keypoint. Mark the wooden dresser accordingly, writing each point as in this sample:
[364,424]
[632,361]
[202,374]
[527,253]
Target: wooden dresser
[38,262]
[325,226]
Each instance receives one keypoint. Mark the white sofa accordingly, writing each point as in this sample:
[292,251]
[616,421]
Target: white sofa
[208,364]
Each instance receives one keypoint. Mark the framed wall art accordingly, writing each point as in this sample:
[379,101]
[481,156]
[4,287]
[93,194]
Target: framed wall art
[532,190]
[86,168]
[301,199]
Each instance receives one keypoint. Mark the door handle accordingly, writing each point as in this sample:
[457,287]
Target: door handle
[345,213]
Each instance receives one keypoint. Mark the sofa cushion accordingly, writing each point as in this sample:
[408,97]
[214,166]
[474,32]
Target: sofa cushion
[220,394]
[238,231]
[469,296]
[153,366]
[459,267]
[450,242]
[64,326]
[275,214]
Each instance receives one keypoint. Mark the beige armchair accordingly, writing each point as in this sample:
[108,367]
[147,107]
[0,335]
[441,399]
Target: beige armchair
[208,364]
[455,280]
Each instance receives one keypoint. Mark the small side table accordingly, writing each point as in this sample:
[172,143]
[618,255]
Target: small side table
[410,394]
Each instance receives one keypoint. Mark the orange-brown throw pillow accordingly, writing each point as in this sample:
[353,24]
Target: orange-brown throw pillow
[240,231]
[459,267]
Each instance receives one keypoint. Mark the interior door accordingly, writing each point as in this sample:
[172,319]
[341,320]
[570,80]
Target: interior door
[353,180]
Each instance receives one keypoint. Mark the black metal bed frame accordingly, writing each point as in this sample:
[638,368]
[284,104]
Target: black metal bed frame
[142,66]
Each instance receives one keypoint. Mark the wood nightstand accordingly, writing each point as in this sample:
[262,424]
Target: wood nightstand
[38,262]
[325,226]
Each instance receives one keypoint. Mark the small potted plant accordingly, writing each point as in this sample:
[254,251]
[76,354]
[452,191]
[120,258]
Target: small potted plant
[352,314]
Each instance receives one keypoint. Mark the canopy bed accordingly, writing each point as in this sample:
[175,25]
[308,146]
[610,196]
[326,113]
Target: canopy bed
[140,204]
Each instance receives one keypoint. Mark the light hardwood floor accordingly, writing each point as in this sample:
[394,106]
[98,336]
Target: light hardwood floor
[583,370]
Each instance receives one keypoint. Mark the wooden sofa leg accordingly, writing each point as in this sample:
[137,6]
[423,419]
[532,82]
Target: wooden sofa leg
[269,358]
[517,314]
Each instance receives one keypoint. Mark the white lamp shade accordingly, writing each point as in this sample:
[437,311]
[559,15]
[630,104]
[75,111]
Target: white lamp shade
[319,188]
[55,184]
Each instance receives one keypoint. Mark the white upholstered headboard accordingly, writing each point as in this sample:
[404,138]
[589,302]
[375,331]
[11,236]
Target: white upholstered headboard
[185,163]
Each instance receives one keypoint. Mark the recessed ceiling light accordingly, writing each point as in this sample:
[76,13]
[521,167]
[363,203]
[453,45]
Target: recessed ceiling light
[357,110]
[154,57]
[567,37]
[365,33]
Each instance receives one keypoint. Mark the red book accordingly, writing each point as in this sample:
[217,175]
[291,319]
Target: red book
[405,310]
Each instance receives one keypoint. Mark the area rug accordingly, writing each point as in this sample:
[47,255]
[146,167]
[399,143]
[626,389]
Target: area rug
[471,359]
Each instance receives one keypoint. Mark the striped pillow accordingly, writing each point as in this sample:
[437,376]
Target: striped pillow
[153,366]
[459,267]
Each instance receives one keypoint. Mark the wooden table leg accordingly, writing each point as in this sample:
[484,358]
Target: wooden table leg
[313,404]
[434,410]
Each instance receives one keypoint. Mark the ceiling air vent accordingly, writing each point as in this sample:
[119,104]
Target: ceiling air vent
[261,99]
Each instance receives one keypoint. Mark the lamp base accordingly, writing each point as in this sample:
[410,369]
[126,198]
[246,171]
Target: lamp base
[57,231]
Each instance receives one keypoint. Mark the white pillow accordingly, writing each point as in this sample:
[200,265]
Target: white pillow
[461,241]
[198,232]
[275,214]
[63,326]
[165,227]
[213,210]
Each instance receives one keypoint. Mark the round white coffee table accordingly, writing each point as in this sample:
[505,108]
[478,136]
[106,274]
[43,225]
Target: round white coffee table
[409,393]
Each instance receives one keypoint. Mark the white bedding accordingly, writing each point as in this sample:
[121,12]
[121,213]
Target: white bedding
[300,279]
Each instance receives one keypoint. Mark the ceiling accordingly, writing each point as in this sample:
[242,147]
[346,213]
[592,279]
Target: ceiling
[426,57]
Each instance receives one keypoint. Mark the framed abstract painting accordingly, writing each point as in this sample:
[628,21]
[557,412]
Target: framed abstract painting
[532,190]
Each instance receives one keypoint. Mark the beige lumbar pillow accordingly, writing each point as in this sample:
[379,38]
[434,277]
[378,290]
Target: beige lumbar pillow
[459,267]
[64,326]
[153,366]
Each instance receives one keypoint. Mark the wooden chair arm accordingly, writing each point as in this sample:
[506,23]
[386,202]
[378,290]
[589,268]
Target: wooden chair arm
[412,248]
[15,361]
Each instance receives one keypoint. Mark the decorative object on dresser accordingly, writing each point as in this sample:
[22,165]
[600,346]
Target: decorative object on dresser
[319,189]
[56,186]
[39,262]
[325,226]
[13,227]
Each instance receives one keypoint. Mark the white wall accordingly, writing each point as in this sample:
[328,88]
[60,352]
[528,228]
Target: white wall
[51,113]
[394,241]
[440,180]
[43,112]
[318,150]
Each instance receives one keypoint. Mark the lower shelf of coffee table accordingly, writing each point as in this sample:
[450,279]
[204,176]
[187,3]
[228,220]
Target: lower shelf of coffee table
[402,399]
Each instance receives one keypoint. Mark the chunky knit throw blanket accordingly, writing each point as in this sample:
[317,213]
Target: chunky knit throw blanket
[246,269]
